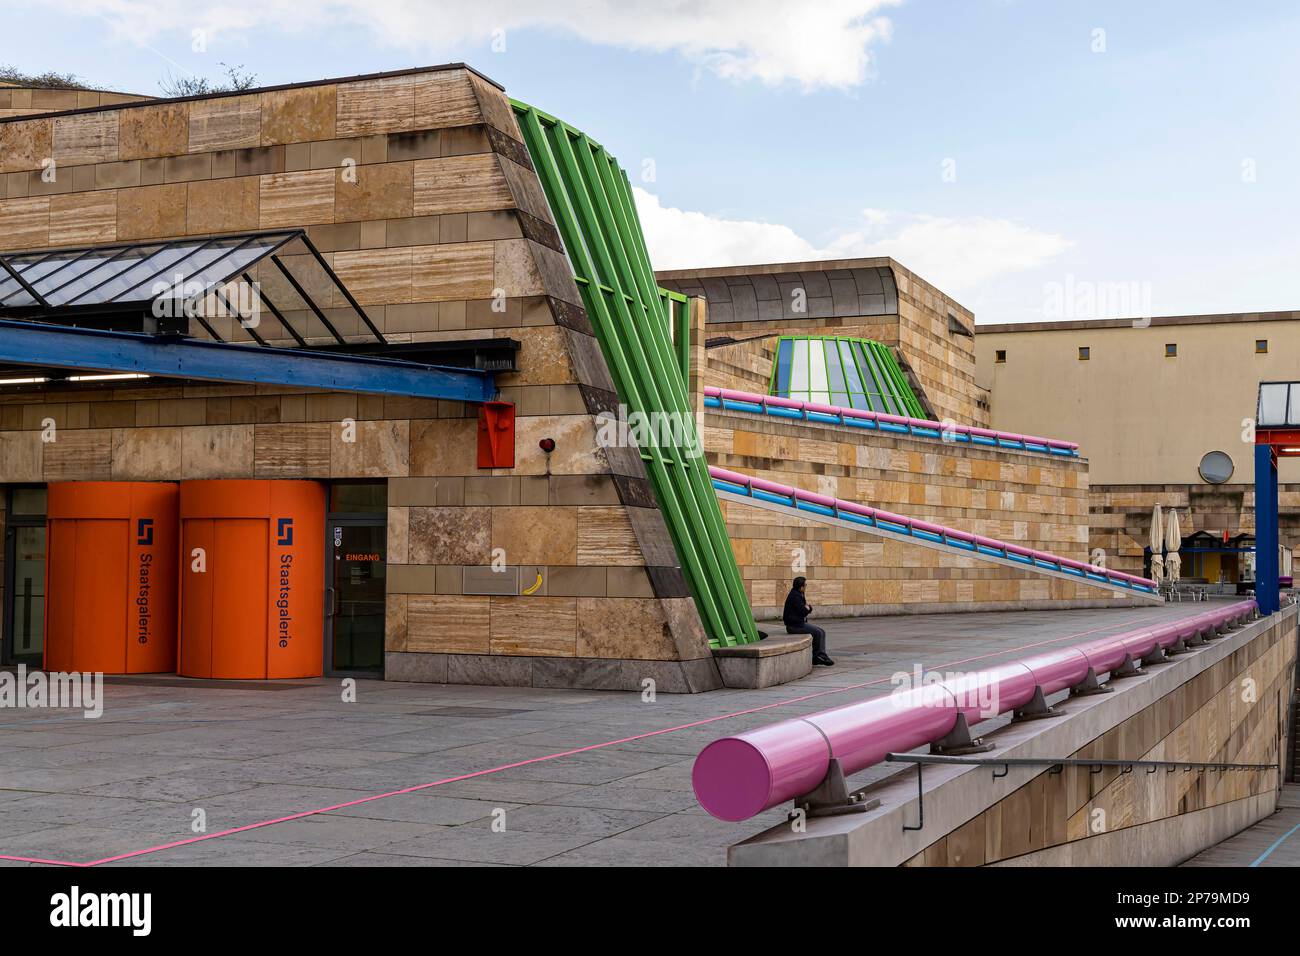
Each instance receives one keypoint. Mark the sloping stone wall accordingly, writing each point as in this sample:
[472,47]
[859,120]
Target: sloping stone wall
[1034,500]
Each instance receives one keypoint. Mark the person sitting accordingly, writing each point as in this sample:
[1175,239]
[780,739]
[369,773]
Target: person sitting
[795,617]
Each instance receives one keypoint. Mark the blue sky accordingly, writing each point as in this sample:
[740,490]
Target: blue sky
[1006,150]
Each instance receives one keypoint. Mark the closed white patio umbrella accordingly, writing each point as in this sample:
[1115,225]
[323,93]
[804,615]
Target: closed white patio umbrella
[1157,546]
[1173,540]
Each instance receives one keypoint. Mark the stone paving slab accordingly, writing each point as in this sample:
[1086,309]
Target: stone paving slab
[80,790]
[371,858]
[426,807]
[618,851]
[238,851]
[172,789]
[474,845]
[345,833]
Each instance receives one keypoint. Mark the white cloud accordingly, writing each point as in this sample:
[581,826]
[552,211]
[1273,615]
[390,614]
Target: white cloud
[963,253]
[960,256]
[679,238]
[814,45]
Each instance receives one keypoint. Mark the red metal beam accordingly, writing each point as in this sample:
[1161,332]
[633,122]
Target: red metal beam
[1286,441]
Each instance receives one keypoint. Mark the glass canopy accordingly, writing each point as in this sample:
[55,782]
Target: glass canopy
[224,285]
[1279,405]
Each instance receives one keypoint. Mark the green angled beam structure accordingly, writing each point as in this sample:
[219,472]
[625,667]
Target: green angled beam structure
[642,333]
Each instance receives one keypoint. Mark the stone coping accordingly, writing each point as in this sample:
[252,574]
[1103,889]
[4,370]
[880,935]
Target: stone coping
[256,90]
[772,646]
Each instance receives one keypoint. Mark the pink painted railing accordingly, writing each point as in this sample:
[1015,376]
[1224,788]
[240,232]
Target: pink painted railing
[953,431]
[737,777]
[962,541]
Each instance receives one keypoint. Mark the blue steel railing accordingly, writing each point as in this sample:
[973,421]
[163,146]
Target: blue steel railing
[928,532]
[778,407]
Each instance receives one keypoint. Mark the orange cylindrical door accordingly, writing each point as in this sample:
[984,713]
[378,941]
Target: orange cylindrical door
[151,564]
[60,581]
[100,598]
[239,644]
[296,580]
[111,577]
[253,581]
[194,651]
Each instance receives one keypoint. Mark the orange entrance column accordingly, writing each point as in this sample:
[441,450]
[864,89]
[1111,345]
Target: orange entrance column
[252,574]
[110,578]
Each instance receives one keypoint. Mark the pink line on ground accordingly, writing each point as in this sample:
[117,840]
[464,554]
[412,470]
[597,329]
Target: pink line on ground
[533,760]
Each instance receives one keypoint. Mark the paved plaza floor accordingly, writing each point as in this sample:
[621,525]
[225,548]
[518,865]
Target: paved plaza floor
[520,776]
[1273,841]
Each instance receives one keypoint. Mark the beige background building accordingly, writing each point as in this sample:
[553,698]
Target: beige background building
[1146,405]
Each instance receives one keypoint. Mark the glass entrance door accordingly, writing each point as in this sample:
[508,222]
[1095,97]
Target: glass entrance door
[26,588]
[355,582]
[24,577]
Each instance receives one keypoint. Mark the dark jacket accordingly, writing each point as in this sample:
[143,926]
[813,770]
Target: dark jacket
[796,609]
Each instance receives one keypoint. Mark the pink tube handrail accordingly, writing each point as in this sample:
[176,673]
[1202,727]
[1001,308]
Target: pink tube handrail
[913,524]
[819,408]
[740,776]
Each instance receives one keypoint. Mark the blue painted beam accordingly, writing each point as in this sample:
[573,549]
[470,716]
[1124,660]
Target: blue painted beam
[1268,594]
[95,350]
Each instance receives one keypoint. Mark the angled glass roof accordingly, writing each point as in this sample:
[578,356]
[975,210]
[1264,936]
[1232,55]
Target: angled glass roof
[843,371]
[224,285]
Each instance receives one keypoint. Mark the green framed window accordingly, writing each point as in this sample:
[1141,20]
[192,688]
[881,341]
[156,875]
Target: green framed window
[849,372]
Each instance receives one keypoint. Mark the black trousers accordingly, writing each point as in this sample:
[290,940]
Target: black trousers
[818,636]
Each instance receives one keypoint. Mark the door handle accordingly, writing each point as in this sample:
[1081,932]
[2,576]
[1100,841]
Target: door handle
[331,601]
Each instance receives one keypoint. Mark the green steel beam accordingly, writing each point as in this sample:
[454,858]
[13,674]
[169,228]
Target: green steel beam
[679,311]
[632,270]
[591,200]
[902,390]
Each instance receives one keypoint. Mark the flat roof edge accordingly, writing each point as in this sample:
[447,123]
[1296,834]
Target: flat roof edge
[1214,318]
[326,81]
[815,265]
[775,268]
[6,85]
